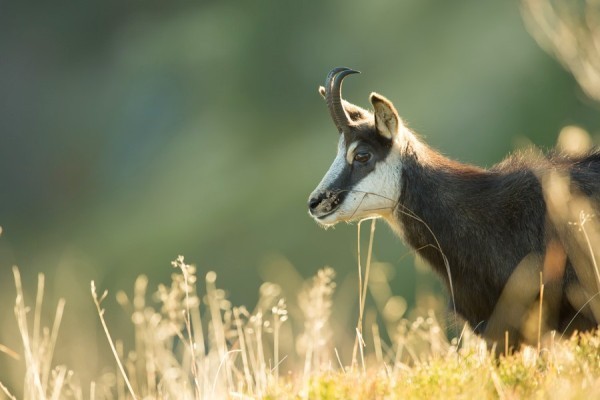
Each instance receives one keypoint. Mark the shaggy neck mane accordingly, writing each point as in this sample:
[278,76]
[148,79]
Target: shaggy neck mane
[464,207]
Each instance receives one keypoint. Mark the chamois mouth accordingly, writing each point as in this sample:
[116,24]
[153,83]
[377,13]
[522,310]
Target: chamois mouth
[329,213]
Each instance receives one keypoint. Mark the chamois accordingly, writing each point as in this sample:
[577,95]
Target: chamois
[488,232]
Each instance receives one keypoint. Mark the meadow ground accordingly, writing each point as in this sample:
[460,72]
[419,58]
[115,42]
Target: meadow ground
[198,346]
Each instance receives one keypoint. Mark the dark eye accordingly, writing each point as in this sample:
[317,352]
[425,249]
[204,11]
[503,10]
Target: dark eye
[362,157]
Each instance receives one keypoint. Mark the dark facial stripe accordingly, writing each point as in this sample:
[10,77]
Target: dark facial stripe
[352,174]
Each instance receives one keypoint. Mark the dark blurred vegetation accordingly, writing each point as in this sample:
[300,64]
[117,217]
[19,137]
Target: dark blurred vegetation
[131,132]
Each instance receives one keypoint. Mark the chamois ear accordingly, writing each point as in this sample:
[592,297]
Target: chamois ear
[387,120]
[322,91]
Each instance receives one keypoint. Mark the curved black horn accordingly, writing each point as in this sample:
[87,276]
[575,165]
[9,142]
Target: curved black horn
[333,95]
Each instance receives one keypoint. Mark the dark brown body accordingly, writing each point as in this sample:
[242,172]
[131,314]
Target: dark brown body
[488,222]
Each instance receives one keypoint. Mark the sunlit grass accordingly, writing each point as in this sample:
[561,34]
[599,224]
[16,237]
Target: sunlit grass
[190,346]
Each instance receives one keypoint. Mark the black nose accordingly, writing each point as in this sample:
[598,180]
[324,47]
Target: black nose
[314,202]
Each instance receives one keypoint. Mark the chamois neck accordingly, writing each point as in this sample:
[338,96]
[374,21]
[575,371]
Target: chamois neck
[433,162]
[436,199]
[430,184]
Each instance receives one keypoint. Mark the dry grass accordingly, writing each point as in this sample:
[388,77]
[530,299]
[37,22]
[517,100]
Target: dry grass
[192,346]
[569,31]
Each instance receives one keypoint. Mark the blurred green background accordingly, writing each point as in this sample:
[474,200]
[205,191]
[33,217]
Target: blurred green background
[131,132]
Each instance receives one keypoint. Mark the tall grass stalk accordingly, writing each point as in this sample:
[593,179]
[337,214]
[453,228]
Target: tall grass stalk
[179,263]
[539,337]
[362,290]
[41,381]
[97,302]
[583,219]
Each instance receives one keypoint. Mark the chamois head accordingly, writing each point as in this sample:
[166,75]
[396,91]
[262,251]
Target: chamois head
[364,179]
